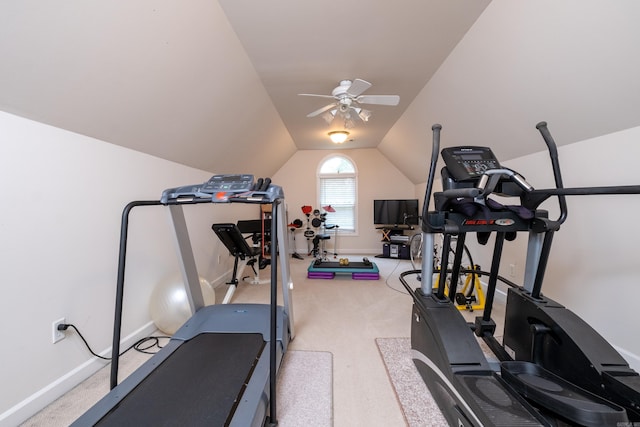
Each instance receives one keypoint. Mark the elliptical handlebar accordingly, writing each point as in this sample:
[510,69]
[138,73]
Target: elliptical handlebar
[435,151]
[491,177]
[456,193]
[555,164]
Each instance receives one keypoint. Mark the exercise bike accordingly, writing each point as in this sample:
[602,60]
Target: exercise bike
[553,369]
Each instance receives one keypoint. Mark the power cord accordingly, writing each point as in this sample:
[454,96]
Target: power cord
[143,345]
[386,282]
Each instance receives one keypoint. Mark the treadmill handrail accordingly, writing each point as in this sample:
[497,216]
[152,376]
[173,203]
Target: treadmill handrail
[122,259]
[124,227]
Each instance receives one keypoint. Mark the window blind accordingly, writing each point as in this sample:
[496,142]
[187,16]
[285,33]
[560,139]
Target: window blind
[340,193]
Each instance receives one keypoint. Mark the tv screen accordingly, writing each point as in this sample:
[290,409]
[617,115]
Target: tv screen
[395,212]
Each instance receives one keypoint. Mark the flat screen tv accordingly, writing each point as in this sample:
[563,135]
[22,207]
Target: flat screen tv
[395,212]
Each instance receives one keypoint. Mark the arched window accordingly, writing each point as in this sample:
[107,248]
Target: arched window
[337,187]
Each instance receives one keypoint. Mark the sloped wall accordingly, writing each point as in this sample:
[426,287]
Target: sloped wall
[63,196]
[571,63]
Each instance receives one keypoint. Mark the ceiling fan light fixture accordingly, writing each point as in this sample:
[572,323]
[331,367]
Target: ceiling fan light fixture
[364,115]
[338,136]
[329,116]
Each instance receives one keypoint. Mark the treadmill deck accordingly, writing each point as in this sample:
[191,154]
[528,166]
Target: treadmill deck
[184,390]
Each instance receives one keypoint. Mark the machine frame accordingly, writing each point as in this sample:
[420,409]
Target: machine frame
[256,402]
[553,367]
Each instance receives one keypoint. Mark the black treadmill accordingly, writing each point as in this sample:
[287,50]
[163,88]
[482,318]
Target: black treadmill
[220,367]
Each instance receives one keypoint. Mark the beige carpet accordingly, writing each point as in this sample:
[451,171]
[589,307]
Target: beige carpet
[305,392]
[418,407]
[305,389]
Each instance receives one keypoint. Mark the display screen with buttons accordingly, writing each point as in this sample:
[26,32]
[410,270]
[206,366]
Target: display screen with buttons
[465,163]
[229,183]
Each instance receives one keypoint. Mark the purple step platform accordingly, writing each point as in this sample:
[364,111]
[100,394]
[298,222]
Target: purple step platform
[354,276]
[365,276]
[320,275]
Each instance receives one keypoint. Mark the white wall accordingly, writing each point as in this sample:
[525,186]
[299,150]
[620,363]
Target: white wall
[573,63]
[592,265]
[62,200]
[377,179]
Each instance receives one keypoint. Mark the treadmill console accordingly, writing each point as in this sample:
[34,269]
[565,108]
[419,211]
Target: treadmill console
[211,190]
[225,188]
[229,184]
[468,163]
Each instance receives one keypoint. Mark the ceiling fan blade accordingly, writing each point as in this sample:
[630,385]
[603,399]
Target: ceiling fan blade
[357,87]
[321,110]
[316,95]
[379,99]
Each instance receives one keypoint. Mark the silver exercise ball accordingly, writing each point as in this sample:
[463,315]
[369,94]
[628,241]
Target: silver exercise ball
[169,308]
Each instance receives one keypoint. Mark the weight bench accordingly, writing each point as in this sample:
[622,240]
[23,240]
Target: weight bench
[231,236]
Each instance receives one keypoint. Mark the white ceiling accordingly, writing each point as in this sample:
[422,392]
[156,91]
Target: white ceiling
[309,47]
[214,84]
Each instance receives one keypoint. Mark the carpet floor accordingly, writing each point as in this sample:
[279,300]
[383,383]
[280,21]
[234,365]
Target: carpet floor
[418,407]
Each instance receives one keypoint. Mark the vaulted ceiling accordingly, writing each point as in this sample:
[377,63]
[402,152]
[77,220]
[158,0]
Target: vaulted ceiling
[214,84]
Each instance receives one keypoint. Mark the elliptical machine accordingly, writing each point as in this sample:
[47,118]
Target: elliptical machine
[553,368]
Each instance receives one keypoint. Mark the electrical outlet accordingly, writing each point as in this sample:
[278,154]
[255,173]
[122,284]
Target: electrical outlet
[219,257]
[56,334]
[512,270]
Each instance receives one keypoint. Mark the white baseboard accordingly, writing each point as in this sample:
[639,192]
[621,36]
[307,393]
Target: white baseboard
[34,403]
[226,276]
[500,295]
[358,252]
[632,359]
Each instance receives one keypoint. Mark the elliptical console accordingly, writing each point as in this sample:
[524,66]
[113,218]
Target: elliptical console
[466,163]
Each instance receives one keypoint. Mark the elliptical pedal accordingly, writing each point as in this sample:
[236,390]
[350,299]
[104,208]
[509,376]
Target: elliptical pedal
[561,397]
[626,386]
[503,407]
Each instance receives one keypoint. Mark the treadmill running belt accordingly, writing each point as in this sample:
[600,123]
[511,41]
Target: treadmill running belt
[199,384]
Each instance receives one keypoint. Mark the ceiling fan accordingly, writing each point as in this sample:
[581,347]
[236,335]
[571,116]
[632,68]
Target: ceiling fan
[348,96]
